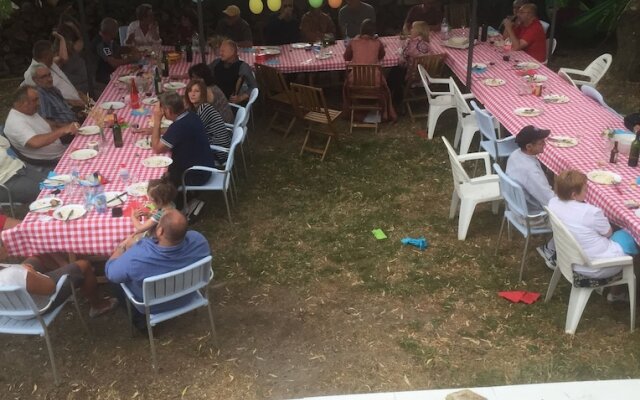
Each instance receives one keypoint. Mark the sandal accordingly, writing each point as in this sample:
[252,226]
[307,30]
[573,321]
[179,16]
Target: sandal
[96,312]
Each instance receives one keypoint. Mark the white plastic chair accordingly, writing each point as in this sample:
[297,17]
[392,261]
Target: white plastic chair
[220,180]
[569,254]
[239,122]
[467,125]
[545,26]
[122,32]
[10,203]
[190,280]
[488,125]
[19,315]
[594,71]
[248,115]
[439,102]
[517,214]
[553,43]
[567,78]
[468,192]
[597,97]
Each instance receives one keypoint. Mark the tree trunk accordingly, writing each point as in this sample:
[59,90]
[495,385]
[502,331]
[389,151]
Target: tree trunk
[627,62]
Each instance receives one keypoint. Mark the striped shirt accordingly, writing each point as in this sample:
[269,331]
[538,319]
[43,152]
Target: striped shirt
[53,107]
[216,130]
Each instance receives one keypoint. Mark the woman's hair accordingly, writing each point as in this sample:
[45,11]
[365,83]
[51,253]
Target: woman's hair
[142,10]
[422,28]
[203,93]
[161,191]
[569,183]
[368,27]
[201,71]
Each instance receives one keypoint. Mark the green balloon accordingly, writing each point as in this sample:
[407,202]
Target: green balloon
[315,3]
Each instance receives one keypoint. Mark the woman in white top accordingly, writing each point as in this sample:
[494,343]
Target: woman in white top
[144,31]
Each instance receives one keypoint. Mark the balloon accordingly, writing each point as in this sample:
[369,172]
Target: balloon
[315,3]
[256,6]
[274,5]
[335,3]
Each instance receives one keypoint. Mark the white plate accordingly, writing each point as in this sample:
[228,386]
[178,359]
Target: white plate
[57,180]
[113,200]
[268,50]
[494,82]
[157,161]
[537,78]
[112,105]
[527,112]
[83,154]
[174,85]
[144,143]
[126,79]
[602,177]
[149,101]
[300,45]
[46,204]
[527,65]
[555,98]
[453,45]
[89,130]
[562,141]
[69,212]
[138,189]
[479,65]
[324,56]
[164,124]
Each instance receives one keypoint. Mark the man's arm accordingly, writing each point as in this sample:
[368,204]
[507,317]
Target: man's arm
[117,267]
[63,55]
[45,139]
[156,144]
[509,33]
[539,188]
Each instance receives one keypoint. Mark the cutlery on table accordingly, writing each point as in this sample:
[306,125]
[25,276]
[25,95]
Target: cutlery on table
[118,197]
[68,216]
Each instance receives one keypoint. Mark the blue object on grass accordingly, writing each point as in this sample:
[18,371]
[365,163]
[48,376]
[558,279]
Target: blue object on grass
[625,240]
[420,242]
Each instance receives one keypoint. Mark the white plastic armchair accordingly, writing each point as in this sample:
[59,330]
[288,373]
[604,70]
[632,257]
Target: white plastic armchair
[469,192]
[593,73]
[467,124]
[439,101]
[489,126]
[569,253]
[597,97]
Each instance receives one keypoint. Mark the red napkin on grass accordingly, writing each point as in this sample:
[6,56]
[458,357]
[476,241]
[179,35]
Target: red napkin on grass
[516,296]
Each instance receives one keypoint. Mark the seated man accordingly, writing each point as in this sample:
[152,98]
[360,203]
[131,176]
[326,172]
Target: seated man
[283,26]
[40,282]
[233,27]
[315,24]
[351,16]
[527,33]
[109,53]
[430,11]
[53,108]
[186,138]
[43,54]
[37,142]
[21,179]
[632,122]
[524,168]
[171,248]
[144,31]
[231,74]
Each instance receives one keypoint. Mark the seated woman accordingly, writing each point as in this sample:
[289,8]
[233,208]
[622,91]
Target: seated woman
[592,231]
[214,95]
[144,31]
[416,46]
[366,48]
[195,98]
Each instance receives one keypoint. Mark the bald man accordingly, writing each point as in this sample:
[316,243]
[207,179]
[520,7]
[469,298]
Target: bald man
[527,33]
[173,247]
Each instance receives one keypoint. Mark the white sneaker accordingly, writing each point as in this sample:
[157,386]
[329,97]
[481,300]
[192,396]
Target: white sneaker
[548,255]
[622,297]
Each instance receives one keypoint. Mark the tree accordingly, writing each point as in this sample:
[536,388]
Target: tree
[627,62]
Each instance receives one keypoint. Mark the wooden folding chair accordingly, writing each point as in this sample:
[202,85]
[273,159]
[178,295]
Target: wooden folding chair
[413,90]
[278,98]
[319,118]
[364,92]
[458,13]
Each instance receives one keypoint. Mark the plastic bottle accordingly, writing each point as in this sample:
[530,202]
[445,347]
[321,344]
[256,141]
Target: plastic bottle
[100,200]
[444,29]
[125,177]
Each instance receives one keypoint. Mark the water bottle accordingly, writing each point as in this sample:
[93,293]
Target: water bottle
[100,199]
[444,29]
[125,177]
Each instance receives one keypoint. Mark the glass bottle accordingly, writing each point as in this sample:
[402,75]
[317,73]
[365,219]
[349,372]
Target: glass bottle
[634,152]
[613,158]
[117,132]
[134,96]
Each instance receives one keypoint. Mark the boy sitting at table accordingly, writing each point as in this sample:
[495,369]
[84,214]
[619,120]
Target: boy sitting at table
[592,231]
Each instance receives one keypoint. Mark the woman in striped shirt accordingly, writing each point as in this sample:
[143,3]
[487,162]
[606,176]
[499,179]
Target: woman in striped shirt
[195,97]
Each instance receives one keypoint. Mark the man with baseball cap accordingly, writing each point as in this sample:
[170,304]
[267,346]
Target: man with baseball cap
[233,27]
[524,168]
[632,122]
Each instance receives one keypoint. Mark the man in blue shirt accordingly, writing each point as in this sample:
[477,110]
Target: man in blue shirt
[53,107]
[173,248]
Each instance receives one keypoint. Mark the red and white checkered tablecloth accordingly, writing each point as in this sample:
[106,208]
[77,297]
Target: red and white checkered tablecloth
[581,118]
[94,233]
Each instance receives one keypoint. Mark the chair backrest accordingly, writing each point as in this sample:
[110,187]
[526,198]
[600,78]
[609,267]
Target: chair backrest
[432,63]
[122,33]
[462,106]
[15,302]
[458,13]
[365,76]
[460,176]
[594,94]
[567,78]
[241,118]
[568,250]
[545,26]
[270,80]
[172,285]
[486,122]
[237,137]
[553,43]
[253,96]
[309,99]
[598,68]
[512,192]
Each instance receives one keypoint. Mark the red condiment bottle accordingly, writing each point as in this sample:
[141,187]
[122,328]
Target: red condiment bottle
[135,98]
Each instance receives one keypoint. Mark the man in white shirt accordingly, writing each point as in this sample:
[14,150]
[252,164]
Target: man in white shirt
[43,54]
[30,134]
[524,168]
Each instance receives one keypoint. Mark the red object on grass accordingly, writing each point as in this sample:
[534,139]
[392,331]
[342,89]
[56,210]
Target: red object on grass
[516,296]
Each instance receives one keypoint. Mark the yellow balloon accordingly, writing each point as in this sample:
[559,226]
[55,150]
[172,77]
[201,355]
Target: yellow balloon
[256,6]
[335,3]
[274,5]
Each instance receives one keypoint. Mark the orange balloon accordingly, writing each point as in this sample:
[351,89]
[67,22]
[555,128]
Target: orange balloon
[335,3]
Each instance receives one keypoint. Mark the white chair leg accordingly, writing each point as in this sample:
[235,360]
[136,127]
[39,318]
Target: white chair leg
[504,219]
[467,208]
[226,202]
[53,362]
[632,302]
[432,119]
[524,257]
[75,303]
[455,200]
[468,132]
[456,139]
[577,301]
[555,278]
[154,360]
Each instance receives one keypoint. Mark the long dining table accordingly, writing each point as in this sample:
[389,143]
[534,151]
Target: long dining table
[581,118]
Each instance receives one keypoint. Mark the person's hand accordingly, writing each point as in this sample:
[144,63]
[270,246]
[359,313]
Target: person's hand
[139,213]
[56,35]
[636,128]
[157,115]
[508,23]
[73,128]
[29,267]
[238,98]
